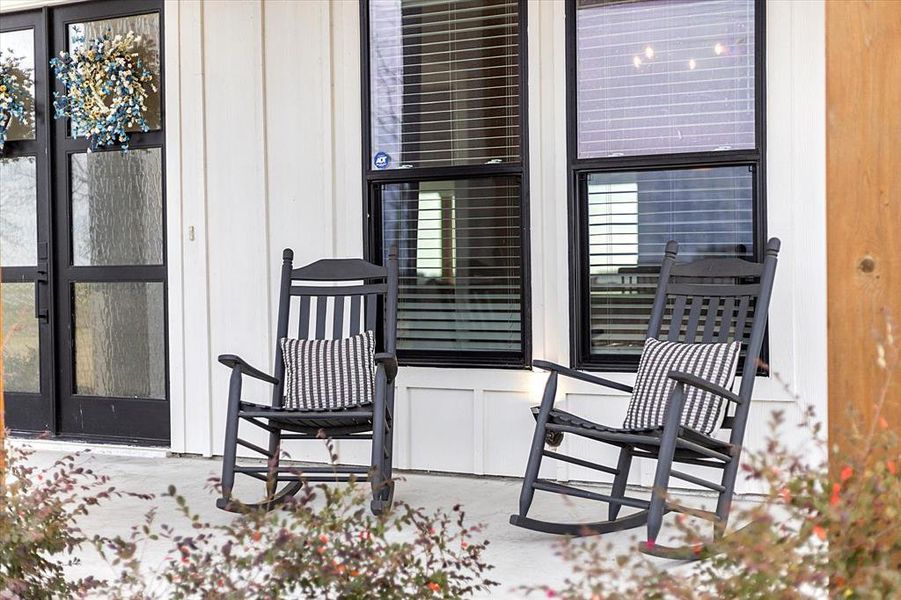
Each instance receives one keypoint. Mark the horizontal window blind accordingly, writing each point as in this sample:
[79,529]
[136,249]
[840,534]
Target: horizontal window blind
[444,82]
[460,263]
[664,76]
[631,216]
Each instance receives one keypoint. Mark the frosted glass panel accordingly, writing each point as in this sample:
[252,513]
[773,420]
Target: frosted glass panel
[20,44]
[18,212]
[21,367]
[117,208]
[148,27]
[119,343]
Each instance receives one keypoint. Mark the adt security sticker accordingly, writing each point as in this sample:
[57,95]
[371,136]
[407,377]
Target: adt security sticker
[381,160]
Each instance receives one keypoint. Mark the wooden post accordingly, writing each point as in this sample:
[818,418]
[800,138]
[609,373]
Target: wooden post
[863,183]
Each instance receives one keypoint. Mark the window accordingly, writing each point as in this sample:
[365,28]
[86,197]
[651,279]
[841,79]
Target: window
[666,142]
[444,149]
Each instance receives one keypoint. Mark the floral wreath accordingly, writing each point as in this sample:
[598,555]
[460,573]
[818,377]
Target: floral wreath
[106,88]
[14,81]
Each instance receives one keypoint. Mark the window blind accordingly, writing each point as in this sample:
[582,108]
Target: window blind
[664,76]
[459,261]
[631,216]
[444,82]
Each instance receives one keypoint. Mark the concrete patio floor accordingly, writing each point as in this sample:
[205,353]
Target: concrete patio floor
[520,557]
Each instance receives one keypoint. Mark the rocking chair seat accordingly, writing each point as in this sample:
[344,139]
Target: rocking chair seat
[654,434]
[348,420]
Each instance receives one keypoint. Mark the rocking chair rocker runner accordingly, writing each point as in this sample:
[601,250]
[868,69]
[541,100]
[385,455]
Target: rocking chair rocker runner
[371,306]
[734,296]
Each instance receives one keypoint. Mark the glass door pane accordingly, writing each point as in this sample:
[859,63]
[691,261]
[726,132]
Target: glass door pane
[21,342]
[17,47]
[147,28]
[18,212]
[117,208]
[119,341]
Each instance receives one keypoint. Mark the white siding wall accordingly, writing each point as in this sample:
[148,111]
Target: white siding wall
[264,153]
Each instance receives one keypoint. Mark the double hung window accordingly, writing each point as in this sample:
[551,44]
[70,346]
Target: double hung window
[666,141]
[444,149]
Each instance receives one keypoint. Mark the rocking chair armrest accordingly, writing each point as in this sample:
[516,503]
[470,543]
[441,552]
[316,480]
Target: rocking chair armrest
[702,384]
[389,361]
[236,362]
[572,373]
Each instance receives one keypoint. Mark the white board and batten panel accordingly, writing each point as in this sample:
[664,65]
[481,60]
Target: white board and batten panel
[269,144]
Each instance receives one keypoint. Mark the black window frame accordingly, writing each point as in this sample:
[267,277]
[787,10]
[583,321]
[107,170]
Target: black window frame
[373,179]
[578,170]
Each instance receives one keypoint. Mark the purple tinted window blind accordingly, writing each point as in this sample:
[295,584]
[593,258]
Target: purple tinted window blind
[664,76]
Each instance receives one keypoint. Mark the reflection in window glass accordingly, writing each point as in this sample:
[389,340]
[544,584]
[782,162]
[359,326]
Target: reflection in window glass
[18,212]
[148,27]
[459,261]
[117,208]
[21,364]
[632,215]
[119,340]
[664,76]
[20,45]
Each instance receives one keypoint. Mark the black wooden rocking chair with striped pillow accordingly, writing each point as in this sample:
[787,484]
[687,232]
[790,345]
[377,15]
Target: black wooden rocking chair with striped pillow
[334,379]
[708,311]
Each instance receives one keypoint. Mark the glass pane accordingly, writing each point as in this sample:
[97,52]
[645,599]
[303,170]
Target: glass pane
[117,208]
[148,27]
[460,263]
[631,216]
[119,344]
[20,45]
[664,76]
[18,212]
[21,362]
[444,82]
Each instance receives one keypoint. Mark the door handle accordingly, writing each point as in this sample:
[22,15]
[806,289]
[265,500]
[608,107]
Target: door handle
[41,279]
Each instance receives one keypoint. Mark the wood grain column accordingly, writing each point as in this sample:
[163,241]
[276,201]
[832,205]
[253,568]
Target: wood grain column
[863,182]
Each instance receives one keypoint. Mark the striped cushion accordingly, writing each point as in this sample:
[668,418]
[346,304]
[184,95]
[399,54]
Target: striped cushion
[329,374]
[715,363]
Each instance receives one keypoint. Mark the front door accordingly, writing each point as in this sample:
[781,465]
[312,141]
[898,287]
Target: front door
[82,248]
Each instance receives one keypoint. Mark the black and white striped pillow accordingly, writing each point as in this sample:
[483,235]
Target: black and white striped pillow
[713,362]
[329,374]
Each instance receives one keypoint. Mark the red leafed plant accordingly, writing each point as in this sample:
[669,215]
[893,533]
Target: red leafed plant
[323,544]
[39,510]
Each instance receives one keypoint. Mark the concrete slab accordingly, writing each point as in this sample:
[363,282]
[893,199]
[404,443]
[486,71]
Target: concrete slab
[520,557]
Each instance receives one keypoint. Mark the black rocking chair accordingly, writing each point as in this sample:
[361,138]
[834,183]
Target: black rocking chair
[736,295]
[369,292]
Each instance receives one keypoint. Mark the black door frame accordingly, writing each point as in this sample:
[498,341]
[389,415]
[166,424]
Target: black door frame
[28,410]
[68,415]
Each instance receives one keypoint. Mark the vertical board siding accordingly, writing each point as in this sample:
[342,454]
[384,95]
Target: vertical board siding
[863,86]
[236,199]
[194,407]
[270,151]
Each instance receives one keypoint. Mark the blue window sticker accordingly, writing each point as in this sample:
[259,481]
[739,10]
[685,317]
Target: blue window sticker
[381,160]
